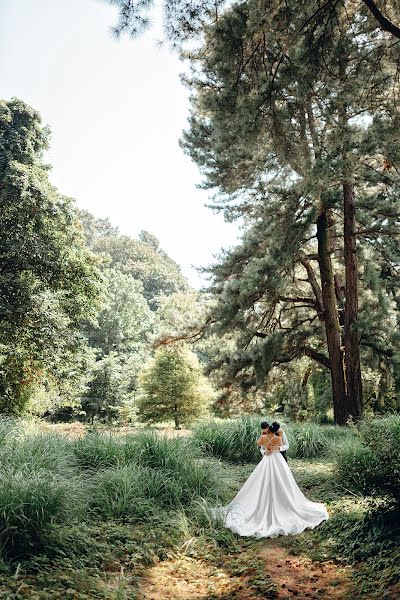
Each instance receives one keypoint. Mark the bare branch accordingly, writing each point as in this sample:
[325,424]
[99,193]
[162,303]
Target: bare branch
[384,23]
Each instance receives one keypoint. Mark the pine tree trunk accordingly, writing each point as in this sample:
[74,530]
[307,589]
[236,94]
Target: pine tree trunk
[331,320]
[351,334]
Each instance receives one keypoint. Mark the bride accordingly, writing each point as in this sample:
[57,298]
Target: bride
[270,503]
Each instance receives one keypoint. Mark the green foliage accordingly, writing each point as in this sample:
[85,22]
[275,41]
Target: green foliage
[125,320]
[49,281]
[31,501]
[96,450]
[39,485]
[140,259]
[138,277]
[233,439]
[372,465]
[174,388]
[126,477]
[105,392]
[126,492]
[133,492]
[307,440]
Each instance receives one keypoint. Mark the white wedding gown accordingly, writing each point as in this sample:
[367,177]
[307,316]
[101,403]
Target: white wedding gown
[271,503]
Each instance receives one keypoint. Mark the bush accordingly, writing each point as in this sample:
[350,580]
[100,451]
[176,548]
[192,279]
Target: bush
[353,462]
[372,465]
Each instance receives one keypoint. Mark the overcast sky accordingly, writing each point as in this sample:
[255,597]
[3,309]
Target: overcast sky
[116,110]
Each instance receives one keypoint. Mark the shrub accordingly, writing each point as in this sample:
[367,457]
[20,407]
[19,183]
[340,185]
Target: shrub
[353,462]
[372,465]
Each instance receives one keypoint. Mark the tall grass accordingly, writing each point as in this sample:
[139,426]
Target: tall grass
[233,440]
[100,450]
[307,440]
[31,501]
[39,485]
[162,473]
[47,479]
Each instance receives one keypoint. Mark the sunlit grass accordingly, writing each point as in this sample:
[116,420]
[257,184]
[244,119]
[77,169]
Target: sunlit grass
[77,507]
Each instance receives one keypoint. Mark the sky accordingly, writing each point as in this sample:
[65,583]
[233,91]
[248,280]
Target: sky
[116,110]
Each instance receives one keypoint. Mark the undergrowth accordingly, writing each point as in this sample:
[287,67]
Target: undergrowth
[86,518]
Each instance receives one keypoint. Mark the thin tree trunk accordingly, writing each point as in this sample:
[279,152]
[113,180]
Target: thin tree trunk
[351,333]
[331,320]
[176,418]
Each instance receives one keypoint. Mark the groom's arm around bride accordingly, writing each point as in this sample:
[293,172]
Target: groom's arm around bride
[285,443]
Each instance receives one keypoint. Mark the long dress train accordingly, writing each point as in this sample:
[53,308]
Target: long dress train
[271,503]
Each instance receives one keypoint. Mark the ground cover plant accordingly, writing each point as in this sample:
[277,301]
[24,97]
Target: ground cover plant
[128,516]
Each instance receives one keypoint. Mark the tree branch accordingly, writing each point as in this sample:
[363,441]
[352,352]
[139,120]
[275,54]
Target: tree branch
[317,356]
[308,301]
[314,285]
[384,23]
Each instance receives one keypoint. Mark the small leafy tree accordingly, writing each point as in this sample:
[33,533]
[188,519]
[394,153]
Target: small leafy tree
[106,392]
[174,388]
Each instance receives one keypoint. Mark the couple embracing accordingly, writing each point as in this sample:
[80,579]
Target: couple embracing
[266,440]
[270,503]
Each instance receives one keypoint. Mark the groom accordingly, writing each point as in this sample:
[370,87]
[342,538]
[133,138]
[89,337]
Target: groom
[276,426]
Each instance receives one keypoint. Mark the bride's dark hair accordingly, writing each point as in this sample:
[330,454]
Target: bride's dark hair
[274,427]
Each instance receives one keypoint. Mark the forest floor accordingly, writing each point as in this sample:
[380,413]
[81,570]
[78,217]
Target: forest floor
[269,571]
[250,569]
[76,430]
[118,561]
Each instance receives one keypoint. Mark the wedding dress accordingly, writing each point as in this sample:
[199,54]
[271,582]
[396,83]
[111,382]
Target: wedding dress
[270,503]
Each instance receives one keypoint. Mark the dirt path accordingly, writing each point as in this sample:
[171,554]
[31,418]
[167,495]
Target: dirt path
[302,578]
[277,574]
[191,579]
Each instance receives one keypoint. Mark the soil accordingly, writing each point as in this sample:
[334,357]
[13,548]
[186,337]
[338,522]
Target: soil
[186,578]
[302,578]
[77,429]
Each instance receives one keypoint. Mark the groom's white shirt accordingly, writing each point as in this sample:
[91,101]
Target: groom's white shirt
[285,445]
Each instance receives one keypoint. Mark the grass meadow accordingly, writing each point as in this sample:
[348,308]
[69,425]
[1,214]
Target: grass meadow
[121,516]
